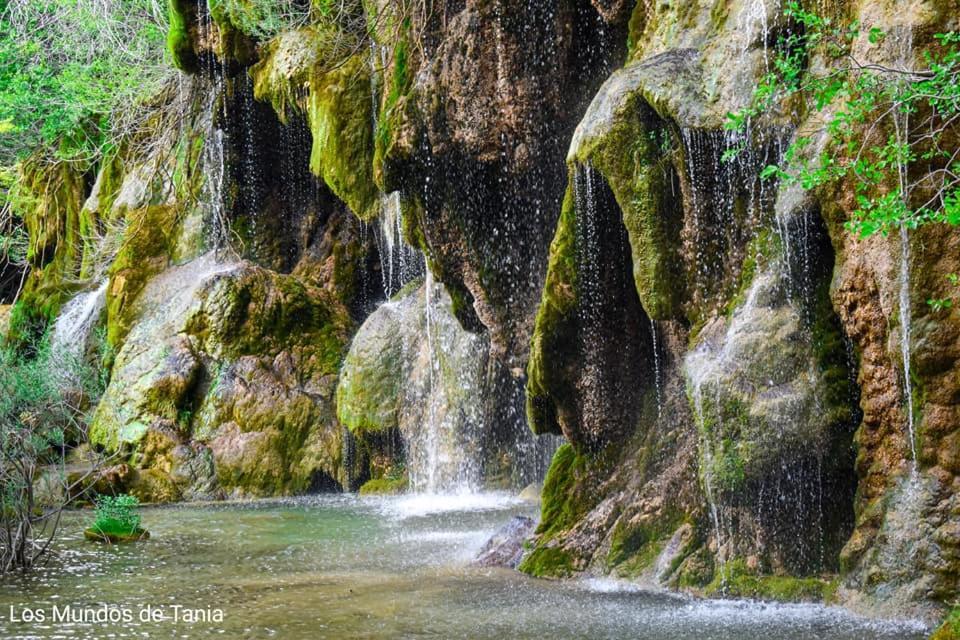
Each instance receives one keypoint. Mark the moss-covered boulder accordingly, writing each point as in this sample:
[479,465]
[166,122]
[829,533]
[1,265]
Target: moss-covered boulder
[623,138]
[236,358]
[413,369]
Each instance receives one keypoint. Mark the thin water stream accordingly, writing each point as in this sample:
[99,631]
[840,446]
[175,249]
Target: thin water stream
[347,567]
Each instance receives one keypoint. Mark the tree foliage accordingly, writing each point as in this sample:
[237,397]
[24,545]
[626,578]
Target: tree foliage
[891,130]
[73,71]
[44,393]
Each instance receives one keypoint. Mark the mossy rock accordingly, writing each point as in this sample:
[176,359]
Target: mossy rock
[96,535]
[339,112]
[180,15]
[631,146]
[49,197]
[547,562]
[950,629]
[369,390]
[735,580]
[568,495]
[555,328]
[385,486]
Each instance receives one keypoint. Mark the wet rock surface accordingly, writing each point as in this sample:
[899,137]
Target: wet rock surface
[505,547]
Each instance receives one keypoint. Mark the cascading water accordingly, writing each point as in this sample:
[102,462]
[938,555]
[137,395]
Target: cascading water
[901,121]
[214,173]
[431,440]
[590,289]
[73,327]
[656,368]
[441,448]
[399,262]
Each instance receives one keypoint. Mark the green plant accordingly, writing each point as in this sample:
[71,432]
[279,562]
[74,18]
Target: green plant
[889,128]
[73,71]
[117,515]
[45,394]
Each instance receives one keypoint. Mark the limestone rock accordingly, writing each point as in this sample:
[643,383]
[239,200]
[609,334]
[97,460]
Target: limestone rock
[505,547]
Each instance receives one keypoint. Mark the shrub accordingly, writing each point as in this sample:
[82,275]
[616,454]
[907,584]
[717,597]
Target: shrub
[43,399]
[117,515]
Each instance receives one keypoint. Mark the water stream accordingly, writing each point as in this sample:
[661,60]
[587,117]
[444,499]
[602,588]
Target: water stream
[347,567]
[73,327]
[902,129]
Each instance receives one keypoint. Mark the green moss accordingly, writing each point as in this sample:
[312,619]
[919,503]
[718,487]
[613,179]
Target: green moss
[569,493]
[950,629]
[555,329]
[764,246]
[634,156]
[178,36]
[151,234]
[636,27]
[282,75]
[339,114]
[49,198]
[394,101]
[370,387]
[560,506]
[385,486]
[547,562]
[634,546]
[736,580]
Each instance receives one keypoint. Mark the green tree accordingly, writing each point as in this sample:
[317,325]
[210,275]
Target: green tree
[891,129]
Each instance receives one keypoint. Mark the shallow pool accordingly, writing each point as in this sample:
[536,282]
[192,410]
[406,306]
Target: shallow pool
[349,567]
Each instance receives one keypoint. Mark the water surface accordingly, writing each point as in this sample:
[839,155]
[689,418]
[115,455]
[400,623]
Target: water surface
[349,567]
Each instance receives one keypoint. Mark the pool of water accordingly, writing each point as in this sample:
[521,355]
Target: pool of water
[349,567]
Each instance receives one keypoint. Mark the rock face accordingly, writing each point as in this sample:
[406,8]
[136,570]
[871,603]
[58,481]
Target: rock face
[755,401]
[235,279]
[413,374]
[726,359]
[505,547]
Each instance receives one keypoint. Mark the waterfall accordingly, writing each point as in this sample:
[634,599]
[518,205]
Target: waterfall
[441,447]
[902,126]
[399,262]
[905,337]
[699,366]
[589,289]
[215,170]
[431,428]
[656,368]
[72,329]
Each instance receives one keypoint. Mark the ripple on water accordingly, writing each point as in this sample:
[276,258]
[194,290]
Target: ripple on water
[379,568]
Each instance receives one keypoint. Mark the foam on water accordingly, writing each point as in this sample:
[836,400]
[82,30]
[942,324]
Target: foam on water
[417,505]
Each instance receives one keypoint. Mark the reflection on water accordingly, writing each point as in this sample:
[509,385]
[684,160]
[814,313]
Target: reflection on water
[348,567]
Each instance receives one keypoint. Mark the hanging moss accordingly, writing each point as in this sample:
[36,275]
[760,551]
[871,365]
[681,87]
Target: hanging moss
[49,198]
[555,329]
[282,76]
[180,15]
[339,112]
[633,152]
[394,102]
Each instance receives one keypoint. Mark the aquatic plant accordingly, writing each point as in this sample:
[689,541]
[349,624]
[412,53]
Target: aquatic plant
[117,515]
